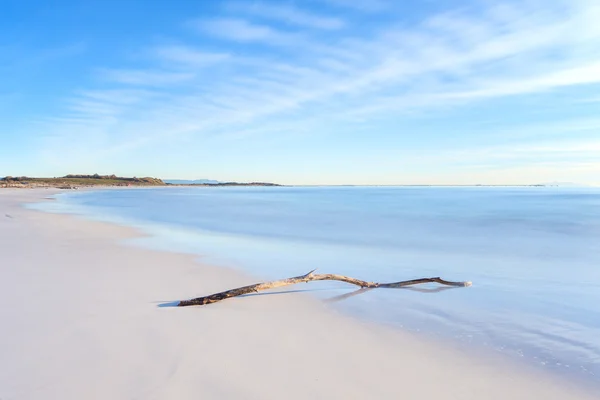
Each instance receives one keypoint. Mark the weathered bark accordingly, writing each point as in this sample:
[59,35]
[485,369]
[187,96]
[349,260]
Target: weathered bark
[311,276]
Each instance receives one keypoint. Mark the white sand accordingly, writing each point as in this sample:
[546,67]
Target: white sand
[80,320]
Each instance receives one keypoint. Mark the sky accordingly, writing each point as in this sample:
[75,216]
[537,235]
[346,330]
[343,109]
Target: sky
[303,92]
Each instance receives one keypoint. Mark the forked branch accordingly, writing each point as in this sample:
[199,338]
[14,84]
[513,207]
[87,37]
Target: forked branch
[311,276]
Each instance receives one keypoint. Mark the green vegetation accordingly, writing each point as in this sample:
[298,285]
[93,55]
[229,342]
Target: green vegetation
[81,180]
[74,181]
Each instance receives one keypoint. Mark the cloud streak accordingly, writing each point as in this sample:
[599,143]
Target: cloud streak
[141,77]
[187,56]
[288,14]
[361,5]
[241,30]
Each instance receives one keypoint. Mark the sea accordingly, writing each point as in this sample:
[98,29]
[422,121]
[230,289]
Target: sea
[532,253]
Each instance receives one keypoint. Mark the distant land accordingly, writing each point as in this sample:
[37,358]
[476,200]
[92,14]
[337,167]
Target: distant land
[170,183]
[191,182]
[563,184]
[212,182]
[76,181]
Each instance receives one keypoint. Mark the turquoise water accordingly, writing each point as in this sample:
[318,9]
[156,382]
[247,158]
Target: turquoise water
[533,254]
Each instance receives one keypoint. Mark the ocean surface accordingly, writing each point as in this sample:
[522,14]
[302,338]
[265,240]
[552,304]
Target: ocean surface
[532,253]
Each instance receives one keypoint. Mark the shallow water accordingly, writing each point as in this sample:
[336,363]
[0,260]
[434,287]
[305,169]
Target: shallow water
[533,254]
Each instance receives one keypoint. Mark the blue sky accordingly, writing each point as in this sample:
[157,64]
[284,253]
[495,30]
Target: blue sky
[303,92]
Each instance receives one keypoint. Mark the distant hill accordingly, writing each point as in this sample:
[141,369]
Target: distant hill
[192,182]
[218,184]
[562,184]
[75,181]
[72,181]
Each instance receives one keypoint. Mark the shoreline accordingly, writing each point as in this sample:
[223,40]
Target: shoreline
[83,317]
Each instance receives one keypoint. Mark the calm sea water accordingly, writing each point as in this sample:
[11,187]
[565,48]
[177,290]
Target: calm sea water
[533,254]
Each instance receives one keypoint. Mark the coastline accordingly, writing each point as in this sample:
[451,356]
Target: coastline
[83,320]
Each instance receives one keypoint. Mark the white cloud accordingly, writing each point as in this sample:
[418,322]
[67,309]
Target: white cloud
[589,100]
[362,5]
[241,30]
[11,56]
[288,14]
[551,159]
[144,77]
[586,74]
[188,56]
[117,96]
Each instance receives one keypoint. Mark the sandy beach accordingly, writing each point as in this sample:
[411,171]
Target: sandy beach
[83,317]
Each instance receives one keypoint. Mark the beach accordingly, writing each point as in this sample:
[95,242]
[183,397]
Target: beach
[84,316]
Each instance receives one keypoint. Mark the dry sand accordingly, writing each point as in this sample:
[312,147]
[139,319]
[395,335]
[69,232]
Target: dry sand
[80,319]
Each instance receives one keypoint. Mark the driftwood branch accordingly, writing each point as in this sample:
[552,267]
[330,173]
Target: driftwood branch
[311,276]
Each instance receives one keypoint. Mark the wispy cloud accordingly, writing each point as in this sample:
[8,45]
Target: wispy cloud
[362,5]
[586,74]
[116,96]
[566,154]
[144,77]
[590,100]
[11,55]
[241,30]
[289,14]
[188,56]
